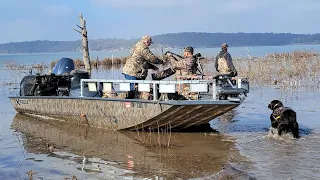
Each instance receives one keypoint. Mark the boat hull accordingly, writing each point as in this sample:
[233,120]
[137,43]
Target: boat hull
[124,114]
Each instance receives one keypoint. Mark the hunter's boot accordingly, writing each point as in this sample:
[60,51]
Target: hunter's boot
[131,95]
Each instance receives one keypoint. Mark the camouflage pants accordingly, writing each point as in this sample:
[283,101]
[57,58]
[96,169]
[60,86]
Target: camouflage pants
[114,95]
[187,94]
[144,95]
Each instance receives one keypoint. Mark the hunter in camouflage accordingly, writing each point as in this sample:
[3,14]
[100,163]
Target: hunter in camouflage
[224,64]
[183,67]
[138,63]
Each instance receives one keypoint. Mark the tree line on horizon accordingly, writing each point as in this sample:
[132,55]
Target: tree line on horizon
[174,40]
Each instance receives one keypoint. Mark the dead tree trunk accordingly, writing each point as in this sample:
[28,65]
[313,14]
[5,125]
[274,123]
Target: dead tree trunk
[85,47]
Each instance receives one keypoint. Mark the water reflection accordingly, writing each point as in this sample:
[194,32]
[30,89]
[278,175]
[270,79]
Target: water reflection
[188,155]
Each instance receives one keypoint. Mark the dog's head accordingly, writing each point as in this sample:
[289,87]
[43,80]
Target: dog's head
[275,104]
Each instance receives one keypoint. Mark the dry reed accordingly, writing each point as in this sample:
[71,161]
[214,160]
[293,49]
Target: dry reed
[297,69]
[106,62]
[159,138]
[293,70]
[96,64]
[287,70]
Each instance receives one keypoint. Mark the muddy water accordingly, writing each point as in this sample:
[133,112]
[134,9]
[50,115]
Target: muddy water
[192,154]
[56,150]
[243,147]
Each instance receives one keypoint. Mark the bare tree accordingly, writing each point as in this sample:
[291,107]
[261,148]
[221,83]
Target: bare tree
[85,47]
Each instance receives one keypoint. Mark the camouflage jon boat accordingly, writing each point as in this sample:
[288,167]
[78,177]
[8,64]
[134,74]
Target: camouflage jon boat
[76,99]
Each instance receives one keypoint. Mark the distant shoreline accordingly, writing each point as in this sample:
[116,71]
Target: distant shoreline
[152,49]
[171,40]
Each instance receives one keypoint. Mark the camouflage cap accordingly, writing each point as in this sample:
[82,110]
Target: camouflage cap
[188,49]
[146,38]
[224,45]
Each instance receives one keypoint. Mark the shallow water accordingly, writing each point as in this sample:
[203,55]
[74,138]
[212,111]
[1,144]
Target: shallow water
[243,149]
[192,154]
[275,157]
[56,150]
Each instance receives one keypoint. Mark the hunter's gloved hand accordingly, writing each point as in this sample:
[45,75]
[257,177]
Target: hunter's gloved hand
[234,73]
[159,61]
[197,55]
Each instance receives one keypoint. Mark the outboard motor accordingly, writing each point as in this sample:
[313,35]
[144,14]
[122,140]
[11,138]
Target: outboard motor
[63,78]
[65,65]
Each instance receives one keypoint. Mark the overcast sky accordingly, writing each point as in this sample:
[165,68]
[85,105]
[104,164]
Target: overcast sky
[25,20]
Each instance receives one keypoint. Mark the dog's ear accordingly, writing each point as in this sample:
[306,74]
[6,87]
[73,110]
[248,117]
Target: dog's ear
[275,103]
[272,103]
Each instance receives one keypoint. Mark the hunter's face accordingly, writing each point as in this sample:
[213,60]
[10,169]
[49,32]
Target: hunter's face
[148,42]
[187,54]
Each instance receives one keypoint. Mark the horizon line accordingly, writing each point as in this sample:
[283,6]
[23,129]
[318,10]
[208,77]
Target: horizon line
[165,34]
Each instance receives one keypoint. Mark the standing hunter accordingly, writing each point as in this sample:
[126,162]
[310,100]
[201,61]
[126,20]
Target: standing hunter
[138,62]
[224,64]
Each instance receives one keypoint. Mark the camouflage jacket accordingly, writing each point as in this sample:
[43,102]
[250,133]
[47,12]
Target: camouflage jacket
[228,58]
[138,62]
[184,66]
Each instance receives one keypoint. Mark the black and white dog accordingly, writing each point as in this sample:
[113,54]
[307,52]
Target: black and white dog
[283,119]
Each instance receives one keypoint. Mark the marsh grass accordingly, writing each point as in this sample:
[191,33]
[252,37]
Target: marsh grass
[288,70]
[298,69]
[105,63]
[96,64]
[157,138]
[13,72]
[11,65]
[292,71]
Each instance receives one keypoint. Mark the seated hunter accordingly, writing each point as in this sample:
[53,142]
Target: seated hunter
[223,63]
[183,67]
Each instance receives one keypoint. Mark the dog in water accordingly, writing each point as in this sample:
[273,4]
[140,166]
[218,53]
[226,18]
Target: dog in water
[283,119]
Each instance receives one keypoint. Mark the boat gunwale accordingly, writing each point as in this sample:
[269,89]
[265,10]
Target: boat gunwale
[167,102]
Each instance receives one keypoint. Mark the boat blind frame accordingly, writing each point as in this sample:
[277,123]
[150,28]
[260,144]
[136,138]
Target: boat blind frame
[196,86]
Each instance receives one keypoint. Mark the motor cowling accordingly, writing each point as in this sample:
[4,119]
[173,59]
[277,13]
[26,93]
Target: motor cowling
[64,66]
